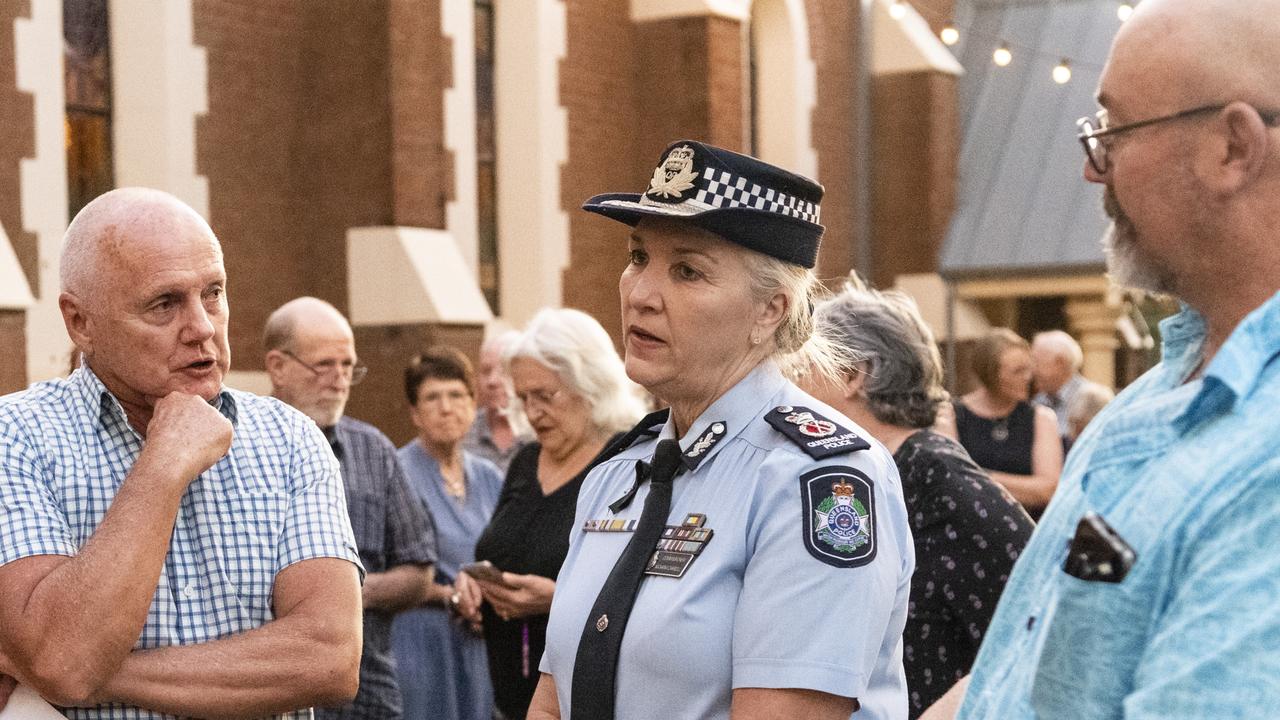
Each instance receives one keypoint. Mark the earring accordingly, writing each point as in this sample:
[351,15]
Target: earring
[755,339]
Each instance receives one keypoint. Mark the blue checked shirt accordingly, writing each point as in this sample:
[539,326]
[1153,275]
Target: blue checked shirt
[392,529]
[1188,475]
[275,499]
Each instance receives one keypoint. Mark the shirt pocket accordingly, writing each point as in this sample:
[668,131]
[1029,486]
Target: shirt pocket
[1089,649]
[251,548]
[368,513]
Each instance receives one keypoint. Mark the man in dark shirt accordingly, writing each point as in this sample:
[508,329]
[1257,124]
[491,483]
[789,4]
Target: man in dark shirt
[312,362]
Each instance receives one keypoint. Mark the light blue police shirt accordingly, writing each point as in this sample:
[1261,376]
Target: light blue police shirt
[755,608]
[1188,474]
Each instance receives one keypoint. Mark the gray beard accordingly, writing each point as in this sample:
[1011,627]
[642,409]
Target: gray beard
[1125,262]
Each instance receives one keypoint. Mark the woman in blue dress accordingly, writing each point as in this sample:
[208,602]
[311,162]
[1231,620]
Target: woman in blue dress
[440,655]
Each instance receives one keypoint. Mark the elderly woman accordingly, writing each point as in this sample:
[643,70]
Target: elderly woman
[968,532]
[440,661]
[752,546]
[569,381]
[1016,441]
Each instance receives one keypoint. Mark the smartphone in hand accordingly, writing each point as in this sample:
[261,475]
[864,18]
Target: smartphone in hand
[484,570]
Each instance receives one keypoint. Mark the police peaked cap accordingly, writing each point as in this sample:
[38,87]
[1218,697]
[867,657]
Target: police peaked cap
[742,199]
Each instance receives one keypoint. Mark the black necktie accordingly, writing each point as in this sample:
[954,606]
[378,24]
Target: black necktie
[596,666]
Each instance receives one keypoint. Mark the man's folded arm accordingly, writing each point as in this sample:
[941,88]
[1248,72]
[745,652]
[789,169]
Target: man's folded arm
[309,655]
[67,622]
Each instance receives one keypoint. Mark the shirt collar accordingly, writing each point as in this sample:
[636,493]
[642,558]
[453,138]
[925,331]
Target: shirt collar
[96,395]
[1235,368]
[734,410]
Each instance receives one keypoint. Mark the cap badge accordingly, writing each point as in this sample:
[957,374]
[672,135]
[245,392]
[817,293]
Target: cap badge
[674,175]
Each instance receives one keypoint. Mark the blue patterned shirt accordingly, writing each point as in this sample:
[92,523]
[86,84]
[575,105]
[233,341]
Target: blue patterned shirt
[275,499]
[1188,475]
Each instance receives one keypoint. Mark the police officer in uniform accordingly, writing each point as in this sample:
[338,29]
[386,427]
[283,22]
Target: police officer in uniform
[747,550]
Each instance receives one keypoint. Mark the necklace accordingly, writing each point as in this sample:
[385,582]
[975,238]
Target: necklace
[1000,429]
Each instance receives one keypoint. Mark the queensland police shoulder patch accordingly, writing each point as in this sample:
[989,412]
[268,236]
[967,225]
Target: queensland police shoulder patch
[816,435]
[838,504]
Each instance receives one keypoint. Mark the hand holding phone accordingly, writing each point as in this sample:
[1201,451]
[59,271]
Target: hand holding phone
[486,571]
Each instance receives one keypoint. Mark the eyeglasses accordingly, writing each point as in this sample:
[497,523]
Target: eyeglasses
[1094,132]
[539,398]
[332,368]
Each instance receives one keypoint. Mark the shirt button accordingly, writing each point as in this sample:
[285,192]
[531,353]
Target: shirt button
[189,592]
[602,624]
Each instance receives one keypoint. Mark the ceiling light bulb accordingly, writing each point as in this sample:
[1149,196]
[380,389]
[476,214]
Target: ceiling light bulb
[898,10]
[950,35]
[1062,72]
[1002,56]
[1124,11]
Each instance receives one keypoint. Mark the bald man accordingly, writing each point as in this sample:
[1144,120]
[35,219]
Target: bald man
[168,546]
[311,359]
[1056,359]
[1149,589]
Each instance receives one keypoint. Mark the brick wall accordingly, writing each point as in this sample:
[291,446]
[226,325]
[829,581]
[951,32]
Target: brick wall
[914,170]
[832,26]
[13,357]
[297,146]
[599,89]
[421,67]
[17,141]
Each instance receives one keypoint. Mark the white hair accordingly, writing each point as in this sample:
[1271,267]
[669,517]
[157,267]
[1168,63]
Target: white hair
[1062,345]
[578,350]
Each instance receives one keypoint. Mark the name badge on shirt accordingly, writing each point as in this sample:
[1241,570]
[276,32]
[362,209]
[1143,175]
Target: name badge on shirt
[679,546]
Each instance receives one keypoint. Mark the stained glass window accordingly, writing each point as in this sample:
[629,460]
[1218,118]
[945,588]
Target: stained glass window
[87,79]
[486,155]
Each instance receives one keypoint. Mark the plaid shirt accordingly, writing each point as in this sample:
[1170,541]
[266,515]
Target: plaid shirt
[273,500]
[391,529]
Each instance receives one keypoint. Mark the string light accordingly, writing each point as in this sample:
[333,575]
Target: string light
[1062,72]
[949,34]
[1124,11]
[898,10]
[1002,56]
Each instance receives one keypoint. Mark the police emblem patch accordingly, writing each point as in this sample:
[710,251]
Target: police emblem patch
[674,176]
[839,516]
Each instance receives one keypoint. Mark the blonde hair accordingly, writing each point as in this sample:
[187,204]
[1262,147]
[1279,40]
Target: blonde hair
[799,349]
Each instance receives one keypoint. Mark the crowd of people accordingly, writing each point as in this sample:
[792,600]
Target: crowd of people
[808,526]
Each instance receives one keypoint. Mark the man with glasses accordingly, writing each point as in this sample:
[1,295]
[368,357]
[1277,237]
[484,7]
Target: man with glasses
[311,358]
[168,546]
[1149,588]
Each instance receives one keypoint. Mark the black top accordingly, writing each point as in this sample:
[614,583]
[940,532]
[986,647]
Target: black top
[1002,444]
[968,532]
[528,534]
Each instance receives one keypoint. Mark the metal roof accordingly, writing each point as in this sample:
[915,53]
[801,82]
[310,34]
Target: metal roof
[1022,206]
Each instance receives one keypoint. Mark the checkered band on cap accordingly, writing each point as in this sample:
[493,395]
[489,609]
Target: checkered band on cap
[722,189]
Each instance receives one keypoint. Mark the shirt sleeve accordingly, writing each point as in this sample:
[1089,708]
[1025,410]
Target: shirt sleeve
[411,534]
[316,522]
[31,519]
[803,623]
[1213,651]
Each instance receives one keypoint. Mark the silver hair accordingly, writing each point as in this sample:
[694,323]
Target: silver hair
[579,351]
[798,349]
[1061,344]
[904,369]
